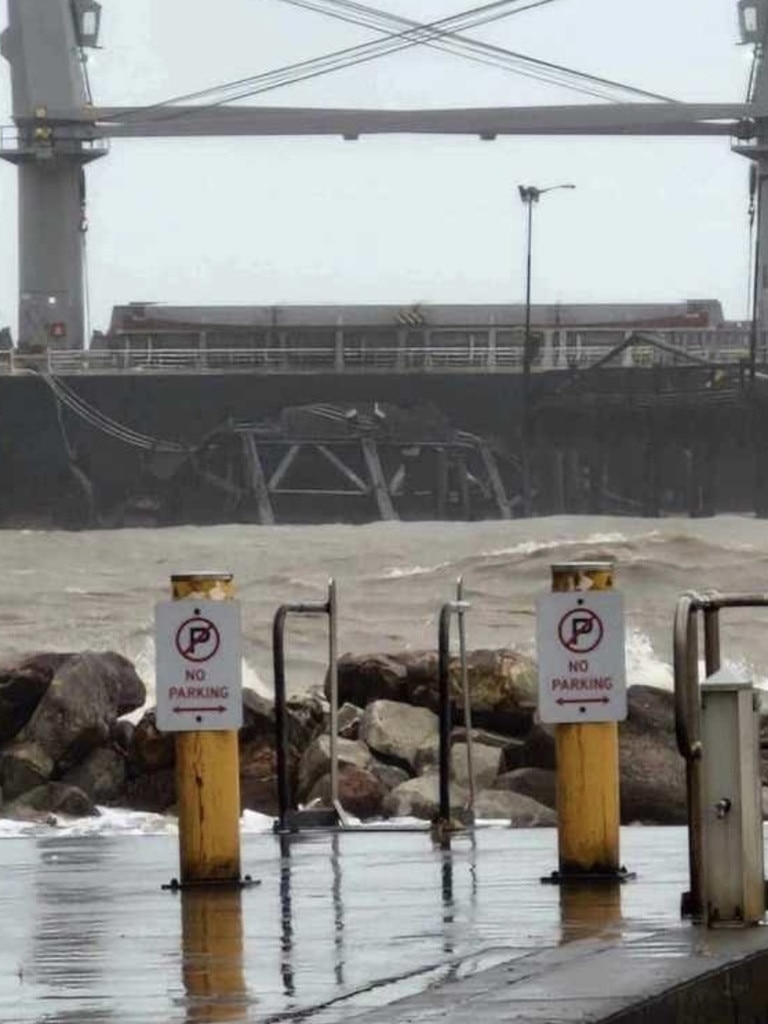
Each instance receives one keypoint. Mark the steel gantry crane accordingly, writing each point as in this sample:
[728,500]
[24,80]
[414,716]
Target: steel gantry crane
[58,129]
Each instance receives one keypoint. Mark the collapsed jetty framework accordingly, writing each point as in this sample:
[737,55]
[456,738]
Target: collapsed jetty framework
[308,413]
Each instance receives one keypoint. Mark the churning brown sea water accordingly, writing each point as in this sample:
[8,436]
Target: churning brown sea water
[70,591]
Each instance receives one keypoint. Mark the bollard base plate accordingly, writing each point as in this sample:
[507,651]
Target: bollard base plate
[246,882]
[589,877]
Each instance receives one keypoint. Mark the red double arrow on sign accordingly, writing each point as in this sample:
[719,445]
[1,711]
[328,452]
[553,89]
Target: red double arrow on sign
[218,710]
[582,700]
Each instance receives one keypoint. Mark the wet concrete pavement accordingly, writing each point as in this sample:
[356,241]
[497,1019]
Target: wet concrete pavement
[339,928]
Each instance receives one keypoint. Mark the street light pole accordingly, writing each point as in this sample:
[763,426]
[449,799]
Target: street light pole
[529,195]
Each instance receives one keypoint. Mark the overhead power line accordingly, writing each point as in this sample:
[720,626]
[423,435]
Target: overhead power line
[479,51]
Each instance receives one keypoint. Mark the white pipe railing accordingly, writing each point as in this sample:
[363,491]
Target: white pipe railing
[470,351]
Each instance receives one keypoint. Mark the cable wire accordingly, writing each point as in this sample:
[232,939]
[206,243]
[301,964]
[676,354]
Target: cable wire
[477,50]
[252,84]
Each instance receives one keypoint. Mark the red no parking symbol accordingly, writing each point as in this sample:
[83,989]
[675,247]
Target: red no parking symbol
[580,630]
[197,639]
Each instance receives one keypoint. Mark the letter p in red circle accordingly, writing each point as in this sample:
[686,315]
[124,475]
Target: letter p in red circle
[580,630]
[197,639]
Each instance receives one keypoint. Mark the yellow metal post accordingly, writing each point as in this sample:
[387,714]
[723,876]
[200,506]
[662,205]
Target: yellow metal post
[207,773]
[587,764]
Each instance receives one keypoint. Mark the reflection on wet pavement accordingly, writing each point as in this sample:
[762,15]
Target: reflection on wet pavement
[340,923]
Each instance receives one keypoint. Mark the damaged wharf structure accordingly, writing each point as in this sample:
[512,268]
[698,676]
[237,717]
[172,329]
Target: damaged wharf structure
[356,413]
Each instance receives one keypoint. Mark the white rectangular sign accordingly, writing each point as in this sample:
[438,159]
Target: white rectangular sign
[580,641]
[197,665]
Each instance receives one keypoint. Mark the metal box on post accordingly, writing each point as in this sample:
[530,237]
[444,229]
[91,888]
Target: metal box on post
[731,810]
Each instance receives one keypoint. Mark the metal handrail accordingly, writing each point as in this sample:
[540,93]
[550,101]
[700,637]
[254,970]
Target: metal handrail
[329,608]
[451,608]
[309,359]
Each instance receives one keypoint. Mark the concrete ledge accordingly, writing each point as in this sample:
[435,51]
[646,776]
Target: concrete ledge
[685,974]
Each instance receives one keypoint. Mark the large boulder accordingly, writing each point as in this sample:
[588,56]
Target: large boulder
[652,772]
[22,767]
[258,775]
[503,684]
[22,686]
[538,783]
[101,775]
[52,798]
[420,798]
[155,791]
[485,764]
[395,731]
[360,792]
[316,761]
[76,715]
[364,678]
[150,750]
[389,775]
[521,811]
[536,750]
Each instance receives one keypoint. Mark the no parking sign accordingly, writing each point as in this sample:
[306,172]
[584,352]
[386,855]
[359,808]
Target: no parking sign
[198,673]
[580,642]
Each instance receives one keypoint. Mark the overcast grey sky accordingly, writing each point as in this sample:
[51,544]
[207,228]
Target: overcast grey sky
[408,219]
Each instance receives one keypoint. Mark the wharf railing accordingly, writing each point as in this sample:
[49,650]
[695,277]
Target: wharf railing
[460,351]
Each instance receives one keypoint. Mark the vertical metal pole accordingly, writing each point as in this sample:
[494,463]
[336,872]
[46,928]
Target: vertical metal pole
[525,434]
[587,765]
[445,713]
[466,693]
[207,774]
[711,641]
[281,721]
[333,675]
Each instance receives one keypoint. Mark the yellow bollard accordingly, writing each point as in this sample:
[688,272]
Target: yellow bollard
[587,764]
[207,774]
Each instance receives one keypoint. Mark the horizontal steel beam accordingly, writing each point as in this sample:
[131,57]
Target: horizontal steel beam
[608,119]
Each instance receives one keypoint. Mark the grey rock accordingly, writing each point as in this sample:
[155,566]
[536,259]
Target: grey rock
[316,761]
[503,684]
[485,764]
[427,757]
[101,775]
[349,717]
[538,783]
[150,750]
[395,731]
[258,715]
[388,774]
[360,792]
[420,798]
[521,811]
[537,750]
[490,739]
[52,798]
[23,767]
[652,773]
[77,714]
[22,686]
[367,677]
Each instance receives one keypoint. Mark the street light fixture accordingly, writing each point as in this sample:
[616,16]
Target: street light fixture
[529,195]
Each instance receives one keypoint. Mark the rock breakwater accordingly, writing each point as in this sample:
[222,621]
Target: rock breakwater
[66,745]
